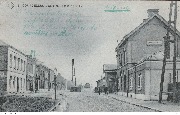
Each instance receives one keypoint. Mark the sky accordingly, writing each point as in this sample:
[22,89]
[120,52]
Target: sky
[79,30]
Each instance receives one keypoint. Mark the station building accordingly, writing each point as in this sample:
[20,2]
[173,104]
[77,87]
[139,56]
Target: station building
[139,59]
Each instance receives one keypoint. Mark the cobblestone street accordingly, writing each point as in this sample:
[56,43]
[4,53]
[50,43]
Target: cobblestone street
[92,102]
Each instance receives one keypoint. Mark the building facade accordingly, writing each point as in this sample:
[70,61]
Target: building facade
[30,73]
[145,40]
[13,66]
[51,79]
[42,78]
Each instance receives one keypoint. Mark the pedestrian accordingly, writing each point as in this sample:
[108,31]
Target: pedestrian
[106,90]
[99,90]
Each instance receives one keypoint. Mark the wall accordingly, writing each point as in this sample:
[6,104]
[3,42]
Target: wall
[153,31]
[16,71]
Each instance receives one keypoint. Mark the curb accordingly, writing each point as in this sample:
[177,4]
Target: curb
[138,105]
[61,104]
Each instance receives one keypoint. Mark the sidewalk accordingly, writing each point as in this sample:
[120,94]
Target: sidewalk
[153,105]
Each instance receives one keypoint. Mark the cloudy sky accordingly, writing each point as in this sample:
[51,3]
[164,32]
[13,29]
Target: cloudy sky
[79,30]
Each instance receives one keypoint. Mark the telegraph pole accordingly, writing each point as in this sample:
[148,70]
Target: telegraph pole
[167,51]
[174,58]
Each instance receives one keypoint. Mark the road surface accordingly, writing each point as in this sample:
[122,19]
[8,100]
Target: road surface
[92,102]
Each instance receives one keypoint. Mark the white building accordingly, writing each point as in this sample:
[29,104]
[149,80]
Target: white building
[13,65]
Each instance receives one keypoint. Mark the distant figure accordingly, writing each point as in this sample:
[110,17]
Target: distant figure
[105,90]
[99,90]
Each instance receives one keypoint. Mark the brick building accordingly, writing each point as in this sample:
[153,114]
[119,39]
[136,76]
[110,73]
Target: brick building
[13,66]
[139,76]
[42,77]
[30,73]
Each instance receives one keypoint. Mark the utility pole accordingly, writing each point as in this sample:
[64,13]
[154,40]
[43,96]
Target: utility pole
[167,51]
[175,54]
[55,76]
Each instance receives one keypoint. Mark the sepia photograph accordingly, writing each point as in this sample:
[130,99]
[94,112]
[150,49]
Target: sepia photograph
[89,56]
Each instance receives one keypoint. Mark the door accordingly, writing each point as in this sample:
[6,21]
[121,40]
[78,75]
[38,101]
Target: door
[17,84]
[124,83]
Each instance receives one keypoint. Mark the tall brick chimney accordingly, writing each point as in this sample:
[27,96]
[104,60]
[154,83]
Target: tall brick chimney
[151,12]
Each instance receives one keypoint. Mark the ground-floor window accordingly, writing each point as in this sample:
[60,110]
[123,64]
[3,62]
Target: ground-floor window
[14,82]
[139,81]
[10,80]
[131,83]
[21,83]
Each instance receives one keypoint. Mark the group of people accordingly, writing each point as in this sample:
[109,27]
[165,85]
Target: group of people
[106,91]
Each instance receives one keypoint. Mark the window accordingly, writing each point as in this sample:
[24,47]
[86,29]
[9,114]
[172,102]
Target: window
[140,81]
[14,82]
[10,60]
[31,68]
[24,66]
[10,81]
[120,59]
[131,83]
[124,57]
[24,83]
[18,63]
[121,83]
[21,83]
[119,56]
[170,78]
[21,63]
[14,62]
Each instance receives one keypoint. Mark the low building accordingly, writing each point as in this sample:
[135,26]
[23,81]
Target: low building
[145,77]
[145,40]
[110,76]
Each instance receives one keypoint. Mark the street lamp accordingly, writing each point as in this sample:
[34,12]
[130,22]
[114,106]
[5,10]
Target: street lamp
[55,76]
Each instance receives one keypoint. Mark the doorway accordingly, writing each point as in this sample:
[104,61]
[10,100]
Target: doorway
[17,84]
[124,83]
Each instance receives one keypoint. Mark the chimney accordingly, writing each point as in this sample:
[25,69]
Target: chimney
[151,12]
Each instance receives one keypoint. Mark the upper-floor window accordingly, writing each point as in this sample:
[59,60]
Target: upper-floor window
[21,64]
[139,81]
[121,59]
[124,57]
[18,63]
[24,66]
[14,62]
[10,60]
[32,68]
